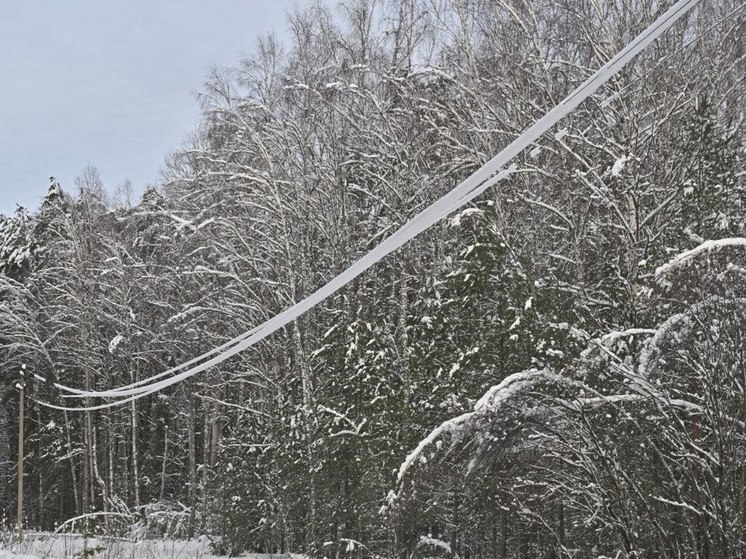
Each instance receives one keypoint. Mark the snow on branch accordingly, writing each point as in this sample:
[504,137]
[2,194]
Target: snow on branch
[496,400]
[513,385]
[611,337]
[86,516]
[446,427]
[489,404]
[708,246]
[677,324]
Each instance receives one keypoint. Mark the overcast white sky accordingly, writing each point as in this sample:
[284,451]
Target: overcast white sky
[112,84]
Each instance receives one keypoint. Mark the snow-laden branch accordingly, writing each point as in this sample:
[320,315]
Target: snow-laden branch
[708,246]
[498,397]
[614,336]
[683,505]
[488,405]
[86,516]
[356,428]
[678,323]
[444,428]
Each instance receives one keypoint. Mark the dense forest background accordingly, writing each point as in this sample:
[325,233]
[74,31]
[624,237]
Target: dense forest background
[619,426]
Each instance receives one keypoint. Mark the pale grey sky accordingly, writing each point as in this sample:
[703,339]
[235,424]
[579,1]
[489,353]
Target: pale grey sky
[110,83]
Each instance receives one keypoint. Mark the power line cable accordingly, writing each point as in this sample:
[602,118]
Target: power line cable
[486,176]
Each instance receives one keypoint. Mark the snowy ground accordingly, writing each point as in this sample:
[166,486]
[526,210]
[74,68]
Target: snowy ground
[46,546]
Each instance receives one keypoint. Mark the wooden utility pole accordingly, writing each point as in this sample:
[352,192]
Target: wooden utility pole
[21,413]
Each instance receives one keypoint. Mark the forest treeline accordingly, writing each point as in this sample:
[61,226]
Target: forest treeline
[617,422]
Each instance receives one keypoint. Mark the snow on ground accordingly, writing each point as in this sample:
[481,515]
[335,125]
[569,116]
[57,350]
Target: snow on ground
[73,546]
[10,555]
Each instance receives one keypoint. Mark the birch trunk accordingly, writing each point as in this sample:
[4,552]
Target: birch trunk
[4,449]
[163,464]
[135,462]
[73,472]
[192,442]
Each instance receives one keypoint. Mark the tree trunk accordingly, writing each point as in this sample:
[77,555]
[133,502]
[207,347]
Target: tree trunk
[215,436]
[504,534]
[206,445]
[403,337]
[110,458]
[192,442]
[309,430]
[135,461]
[87,490]
[163,464]
[21,456]
[4,449]
[455,523]
[73,472]
[84,488]
[97,476]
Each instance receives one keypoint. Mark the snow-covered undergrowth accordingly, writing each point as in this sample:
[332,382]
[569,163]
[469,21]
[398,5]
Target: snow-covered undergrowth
[75,546]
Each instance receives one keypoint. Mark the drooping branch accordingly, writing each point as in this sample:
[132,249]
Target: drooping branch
[708,246]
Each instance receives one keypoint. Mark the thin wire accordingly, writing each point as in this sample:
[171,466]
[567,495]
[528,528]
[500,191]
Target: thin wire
[648,35]
[606,102]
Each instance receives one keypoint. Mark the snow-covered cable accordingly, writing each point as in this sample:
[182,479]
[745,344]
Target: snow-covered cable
[460,195]
[140,383]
